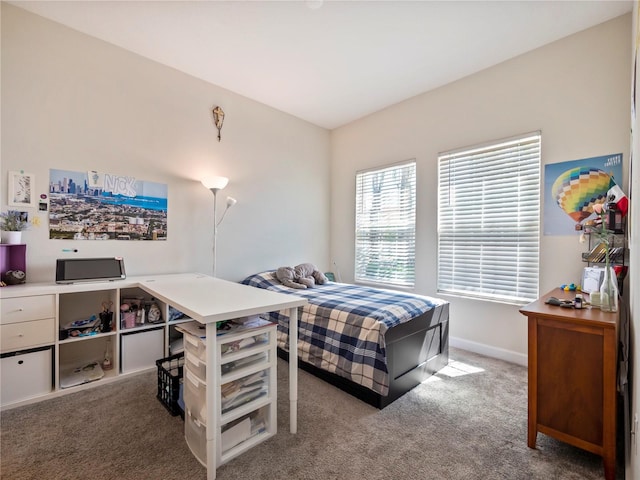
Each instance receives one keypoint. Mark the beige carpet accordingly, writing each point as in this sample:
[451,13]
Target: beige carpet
[468,422]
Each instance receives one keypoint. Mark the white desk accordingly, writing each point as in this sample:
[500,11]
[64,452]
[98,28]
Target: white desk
[209,300]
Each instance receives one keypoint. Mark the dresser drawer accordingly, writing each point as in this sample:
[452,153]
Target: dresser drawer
[20,309]
[18,336]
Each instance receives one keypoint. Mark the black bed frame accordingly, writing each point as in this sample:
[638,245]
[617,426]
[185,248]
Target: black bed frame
[415,350]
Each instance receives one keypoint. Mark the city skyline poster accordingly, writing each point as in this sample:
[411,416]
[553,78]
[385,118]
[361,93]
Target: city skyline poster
[96,205]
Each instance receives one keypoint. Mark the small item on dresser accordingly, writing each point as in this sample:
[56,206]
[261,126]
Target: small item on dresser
[559,302]
[577,302]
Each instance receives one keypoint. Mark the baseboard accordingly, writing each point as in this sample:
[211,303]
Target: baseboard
[489,351]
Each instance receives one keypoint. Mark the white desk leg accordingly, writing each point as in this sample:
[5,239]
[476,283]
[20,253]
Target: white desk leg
[212,398]
[293,369]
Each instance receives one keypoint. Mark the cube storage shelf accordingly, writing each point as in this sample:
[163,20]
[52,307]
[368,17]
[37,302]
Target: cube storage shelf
[12,257]
[37,316]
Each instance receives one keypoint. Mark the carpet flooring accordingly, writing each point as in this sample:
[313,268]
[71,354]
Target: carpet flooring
[467,422]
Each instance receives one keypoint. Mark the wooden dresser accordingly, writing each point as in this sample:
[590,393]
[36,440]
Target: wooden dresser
[572,376]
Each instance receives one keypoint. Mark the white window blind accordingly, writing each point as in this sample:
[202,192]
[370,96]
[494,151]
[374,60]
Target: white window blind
[385,225]
[489,220]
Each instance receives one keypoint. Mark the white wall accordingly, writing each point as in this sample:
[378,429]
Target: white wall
[72,102]
[575,90]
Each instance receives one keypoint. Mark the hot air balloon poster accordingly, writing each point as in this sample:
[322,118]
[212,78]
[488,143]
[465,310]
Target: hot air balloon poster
[572,188]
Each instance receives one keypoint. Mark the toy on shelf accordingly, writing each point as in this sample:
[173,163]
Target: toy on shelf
[571,287]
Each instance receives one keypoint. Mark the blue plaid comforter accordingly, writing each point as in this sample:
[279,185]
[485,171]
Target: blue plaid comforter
[341,329]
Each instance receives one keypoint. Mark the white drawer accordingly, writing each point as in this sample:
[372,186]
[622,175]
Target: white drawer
[196,366]
[18,336]
[195,397]
[196,435]
[20,309]
[196,347]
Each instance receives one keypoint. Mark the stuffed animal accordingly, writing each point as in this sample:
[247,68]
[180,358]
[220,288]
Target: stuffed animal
[309,275]
[14,277]
[287,276]
[305,275]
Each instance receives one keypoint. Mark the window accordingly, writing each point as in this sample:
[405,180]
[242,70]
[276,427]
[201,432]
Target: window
[386,225]
[489,220]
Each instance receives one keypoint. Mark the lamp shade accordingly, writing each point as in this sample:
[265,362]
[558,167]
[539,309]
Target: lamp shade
[215,183]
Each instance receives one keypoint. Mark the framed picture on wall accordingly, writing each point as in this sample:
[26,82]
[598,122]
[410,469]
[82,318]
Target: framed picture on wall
[21,190]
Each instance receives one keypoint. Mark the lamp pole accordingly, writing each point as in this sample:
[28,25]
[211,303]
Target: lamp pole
[215,226]
[215,184]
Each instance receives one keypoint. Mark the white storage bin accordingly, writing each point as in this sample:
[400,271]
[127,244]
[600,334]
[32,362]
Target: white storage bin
[195,433]
[195,396]
[140,350]
[196,366]
[25,375]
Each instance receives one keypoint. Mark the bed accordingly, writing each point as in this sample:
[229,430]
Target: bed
[375,344]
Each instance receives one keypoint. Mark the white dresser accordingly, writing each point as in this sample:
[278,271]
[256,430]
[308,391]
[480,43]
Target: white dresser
[27,337]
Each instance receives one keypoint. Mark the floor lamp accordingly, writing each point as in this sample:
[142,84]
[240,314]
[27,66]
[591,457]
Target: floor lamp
[215,184]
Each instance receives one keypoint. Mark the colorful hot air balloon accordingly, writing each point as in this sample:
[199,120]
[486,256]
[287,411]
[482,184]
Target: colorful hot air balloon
[579,189]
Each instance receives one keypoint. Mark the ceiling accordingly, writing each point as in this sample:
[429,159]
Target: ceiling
[330,62]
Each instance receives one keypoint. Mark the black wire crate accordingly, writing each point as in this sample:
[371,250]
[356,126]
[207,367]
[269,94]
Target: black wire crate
[170,372]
